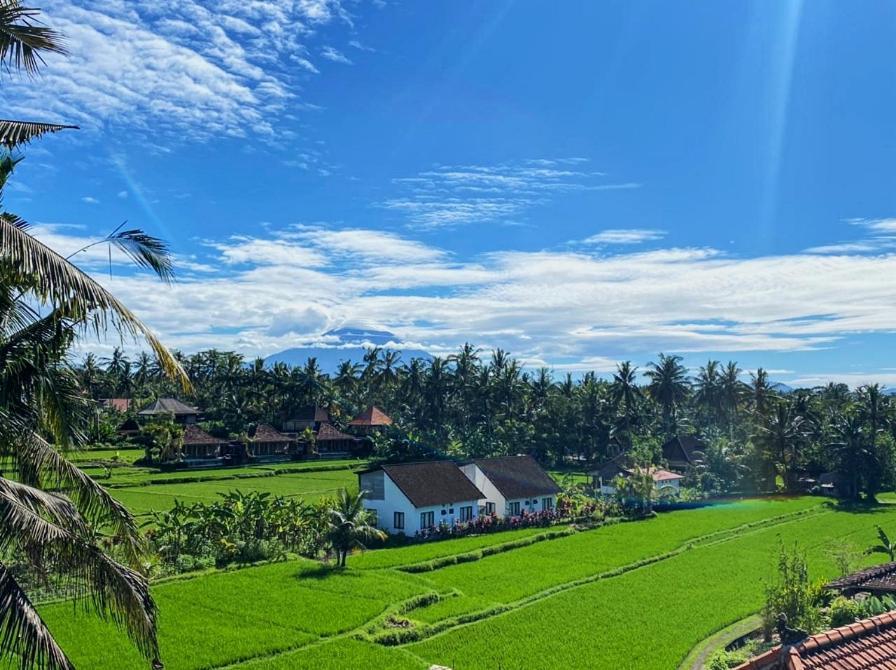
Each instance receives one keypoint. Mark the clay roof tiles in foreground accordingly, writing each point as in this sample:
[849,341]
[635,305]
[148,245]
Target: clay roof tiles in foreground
[878,579]
[869,644]
[432,483]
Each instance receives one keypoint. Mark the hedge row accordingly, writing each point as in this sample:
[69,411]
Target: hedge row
[216,477]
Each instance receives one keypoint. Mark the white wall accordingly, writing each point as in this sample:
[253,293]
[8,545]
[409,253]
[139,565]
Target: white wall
[395,501]
[502,505]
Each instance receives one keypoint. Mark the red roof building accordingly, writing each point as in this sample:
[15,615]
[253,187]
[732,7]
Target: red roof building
[865,645]
[269,442]
[330,439]
[199,445]
[370,420]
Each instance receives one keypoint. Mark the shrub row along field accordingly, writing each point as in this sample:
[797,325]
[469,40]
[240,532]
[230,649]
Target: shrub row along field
[299,615]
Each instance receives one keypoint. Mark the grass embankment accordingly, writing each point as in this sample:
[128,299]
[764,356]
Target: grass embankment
[635,595]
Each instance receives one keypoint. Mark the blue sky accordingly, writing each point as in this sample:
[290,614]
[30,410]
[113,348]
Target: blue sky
[578,182]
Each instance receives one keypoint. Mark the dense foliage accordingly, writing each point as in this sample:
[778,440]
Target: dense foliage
[757,436]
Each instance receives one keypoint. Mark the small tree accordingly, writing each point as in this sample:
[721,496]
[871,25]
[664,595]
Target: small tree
[350,525]
[792,595]
[885,547]
[166,439]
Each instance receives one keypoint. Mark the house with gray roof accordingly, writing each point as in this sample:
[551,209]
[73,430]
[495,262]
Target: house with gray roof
[411,497]
[513,485]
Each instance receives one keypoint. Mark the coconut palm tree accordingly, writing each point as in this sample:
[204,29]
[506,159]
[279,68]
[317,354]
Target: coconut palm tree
[782,436]
[350,525]
[669,387]
[51,513]
[625,395]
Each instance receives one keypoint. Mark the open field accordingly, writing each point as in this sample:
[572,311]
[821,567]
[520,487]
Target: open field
[631,595]
[308,485]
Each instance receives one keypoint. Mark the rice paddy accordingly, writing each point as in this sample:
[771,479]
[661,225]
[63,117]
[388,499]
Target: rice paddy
[633,595]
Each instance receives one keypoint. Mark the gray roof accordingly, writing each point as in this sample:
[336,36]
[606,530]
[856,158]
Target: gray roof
[517,476]
[432,483]
[167,406]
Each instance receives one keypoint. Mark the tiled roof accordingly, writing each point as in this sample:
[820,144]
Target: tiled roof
[167,406]
[311,413]
[660,475]
[879,579]
[264,433]
[193,434]
[432,483]
[328,431]
[869,644]
[372,416]
[517,476]
[121,405]
[683,448]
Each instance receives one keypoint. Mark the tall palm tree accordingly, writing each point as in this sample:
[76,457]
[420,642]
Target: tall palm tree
[40,398]
[669,387]
[782,435]
[350,525]
[625,395]
[856,461]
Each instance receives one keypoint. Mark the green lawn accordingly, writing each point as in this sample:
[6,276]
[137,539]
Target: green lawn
[632,595]
[309,485]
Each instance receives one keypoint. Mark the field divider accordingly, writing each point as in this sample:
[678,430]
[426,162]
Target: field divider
[401,636]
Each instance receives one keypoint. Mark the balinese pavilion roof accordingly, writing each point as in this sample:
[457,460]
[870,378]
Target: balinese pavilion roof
[372,416]
[517,476]
[266,434]
[869,644]
[168,406]
[193,434]
[432,483]
[879,580]
[328,432]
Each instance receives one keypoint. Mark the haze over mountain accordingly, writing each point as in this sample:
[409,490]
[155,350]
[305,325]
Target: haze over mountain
[350,344]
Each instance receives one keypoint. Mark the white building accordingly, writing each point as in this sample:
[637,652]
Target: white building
[512,485]
[664,481]
[409,497]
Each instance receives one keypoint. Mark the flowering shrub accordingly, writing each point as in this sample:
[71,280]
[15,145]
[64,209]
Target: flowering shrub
[488,524]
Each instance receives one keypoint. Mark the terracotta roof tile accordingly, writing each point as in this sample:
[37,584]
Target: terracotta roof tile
[372,416]
[328,432]
[265,433]
[193,434]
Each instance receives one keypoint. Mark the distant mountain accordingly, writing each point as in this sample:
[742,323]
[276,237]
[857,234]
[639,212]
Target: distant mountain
[351,344]
[779,387]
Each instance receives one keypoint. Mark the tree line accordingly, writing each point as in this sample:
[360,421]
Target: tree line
[756,435]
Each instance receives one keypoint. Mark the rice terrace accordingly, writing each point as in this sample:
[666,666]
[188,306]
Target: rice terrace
[447,335]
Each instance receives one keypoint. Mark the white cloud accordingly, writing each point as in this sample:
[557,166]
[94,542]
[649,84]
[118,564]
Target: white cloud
[852,379]
[90,200]
[447,195]
[574,310]
[626,236]
[123,194]
[335,55]
[191,69]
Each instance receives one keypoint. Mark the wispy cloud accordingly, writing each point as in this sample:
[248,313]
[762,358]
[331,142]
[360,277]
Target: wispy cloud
[191,69]
[880,237]
[454,195]
[90,200]
[625,236]
[335,55]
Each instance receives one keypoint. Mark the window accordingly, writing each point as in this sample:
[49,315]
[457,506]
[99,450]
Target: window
[444,512]
[373,517]
[398,520]
[514,508]
[427,519]
[466,513]
[489,508]
[547,503]
[451,510]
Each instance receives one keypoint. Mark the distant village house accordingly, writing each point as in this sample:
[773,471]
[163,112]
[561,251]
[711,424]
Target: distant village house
[512,485]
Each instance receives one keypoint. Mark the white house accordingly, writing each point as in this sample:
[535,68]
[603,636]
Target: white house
[512,485]
[663,480]
[409,497]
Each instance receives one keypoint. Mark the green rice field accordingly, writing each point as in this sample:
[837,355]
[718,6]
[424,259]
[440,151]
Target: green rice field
[630,595]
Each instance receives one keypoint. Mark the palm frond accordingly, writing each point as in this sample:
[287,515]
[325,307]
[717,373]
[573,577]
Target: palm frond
[22,631]
[23,39]
[145,250]
[17,133]
[884,539]
[115,591]
[58,281]
[38,463]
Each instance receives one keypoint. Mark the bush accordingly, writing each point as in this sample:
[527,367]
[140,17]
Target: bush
[843,611]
